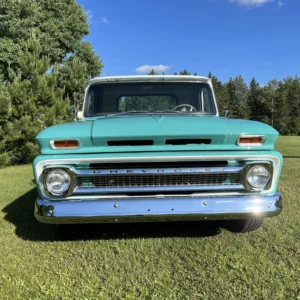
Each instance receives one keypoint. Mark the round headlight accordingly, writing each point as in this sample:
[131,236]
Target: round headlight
[57,182]
[258,176]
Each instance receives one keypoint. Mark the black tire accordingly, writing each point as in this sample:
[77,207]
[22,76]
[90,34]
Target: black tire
[242,226]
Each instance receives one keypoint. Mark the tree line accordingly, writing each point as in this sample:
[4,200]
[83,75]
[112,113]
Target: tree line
[277,103]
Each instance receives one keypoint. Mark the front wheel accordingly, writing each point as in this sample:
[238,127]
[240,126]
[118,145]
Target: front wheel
[242,226]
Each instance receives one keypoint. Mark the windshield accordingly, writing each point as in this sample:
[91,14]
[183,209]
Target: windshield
[144,98]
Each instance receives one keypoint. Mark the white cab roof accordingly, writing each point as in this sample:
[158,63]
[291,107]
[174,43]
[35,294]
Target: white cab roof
[150,78]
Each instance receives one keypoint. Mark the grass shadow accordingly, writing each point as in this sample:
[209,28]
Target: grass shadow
[138,230]
[20,213]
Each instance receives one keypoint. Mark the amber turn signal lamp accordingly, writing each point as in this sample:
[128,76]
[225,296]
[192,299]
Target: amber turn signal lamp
[64,144]
[251,141]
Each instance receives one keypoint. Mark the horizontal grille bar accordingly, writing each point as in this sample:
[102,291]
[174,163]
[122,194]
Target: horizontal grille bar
[157,180]
[148,165]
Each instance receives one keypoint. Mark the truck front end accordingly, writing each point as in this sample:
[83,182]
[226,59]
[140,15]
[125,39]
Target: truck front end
[153,148]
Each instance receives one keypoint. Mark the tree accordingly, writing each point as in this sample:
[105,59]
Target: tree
[85,53]
[72,78]
[184,72]
[5,113]
[269,95]
[292,91]
[34,102]
[44,66]
[237,90]
[60,26]
[221,93]
[153,72]
[259,104]
[281,108]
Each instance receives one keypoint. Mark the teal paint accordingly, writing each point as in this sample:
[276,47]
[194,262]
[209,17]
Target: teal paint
[94,133]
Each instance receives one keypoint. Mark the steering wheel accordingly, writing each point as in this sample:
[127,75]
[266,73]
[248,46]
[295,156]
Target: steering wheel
[191,108]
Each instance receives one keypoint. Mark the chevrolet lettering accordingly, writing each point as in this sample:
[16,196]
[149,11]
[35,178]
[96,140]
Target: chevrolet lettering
[153,171]
[154,148]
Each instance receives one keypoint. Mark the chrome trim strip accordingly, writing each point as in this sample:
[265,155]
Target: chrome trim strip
[158,195]
[157,209]
[51,143]
[155,189]
[255,158]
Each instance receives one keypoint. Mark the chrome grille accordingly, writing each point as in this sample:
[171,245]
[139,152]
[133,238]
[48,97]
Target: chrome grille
[158,180]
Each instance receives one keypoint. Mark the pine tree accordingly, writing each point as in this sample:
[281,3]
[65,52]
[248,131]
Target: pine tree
[85,53]
[72,78]
[184,72]
[5,113]
[281,107]
[153,72]
[221,93]
[238,97]
[269,94]
[230,88]
[36,103]
[292,90]
[255,101]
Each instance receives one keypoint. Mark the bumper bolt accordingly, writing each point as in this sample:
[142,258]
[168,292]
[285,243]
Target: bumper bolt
[115,205]
[50,210]
[269,205]
[204,203]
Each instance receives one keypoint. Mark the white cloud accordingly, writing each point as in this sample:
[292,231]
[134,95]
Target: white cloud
[250,3]
[148,68]
[89,15]
[279,4]
[103,20]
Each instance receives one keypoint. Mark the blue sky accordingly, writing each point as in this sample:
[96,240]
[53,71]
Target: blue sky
[254,38]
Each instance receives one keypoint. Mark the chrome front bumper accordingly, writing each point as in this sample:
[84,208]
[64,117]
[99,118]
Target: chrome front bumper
[164,208]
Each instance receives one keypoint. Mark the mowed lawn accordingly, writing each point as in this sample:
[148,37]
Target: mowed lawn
[148,261]
[289,145]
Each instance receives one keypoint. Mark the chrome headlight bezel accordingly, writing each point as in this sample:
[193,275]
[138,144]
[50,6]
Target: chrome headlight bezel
[267,185]
[62,172]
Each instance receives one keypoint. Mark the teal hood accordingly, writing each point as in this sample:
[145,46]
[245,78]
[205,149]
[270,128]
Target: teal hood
[156,133]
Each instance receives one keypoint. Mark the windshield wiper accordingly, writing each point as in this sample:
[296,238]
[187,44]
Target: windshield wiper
[179,112]
[147,112]
[129,112]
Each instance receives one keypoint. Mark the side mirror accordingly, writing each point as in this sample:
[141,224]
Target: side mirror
[226,111]
[79,115]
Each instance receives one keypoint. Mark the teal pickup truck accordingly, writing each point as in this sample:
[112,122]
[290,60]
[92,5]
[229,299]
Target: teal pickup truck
[154,148]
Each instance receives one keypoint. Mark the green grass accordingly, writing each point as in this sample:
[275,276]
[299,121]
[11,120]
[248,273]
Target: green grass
[289,145]
[147,261]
